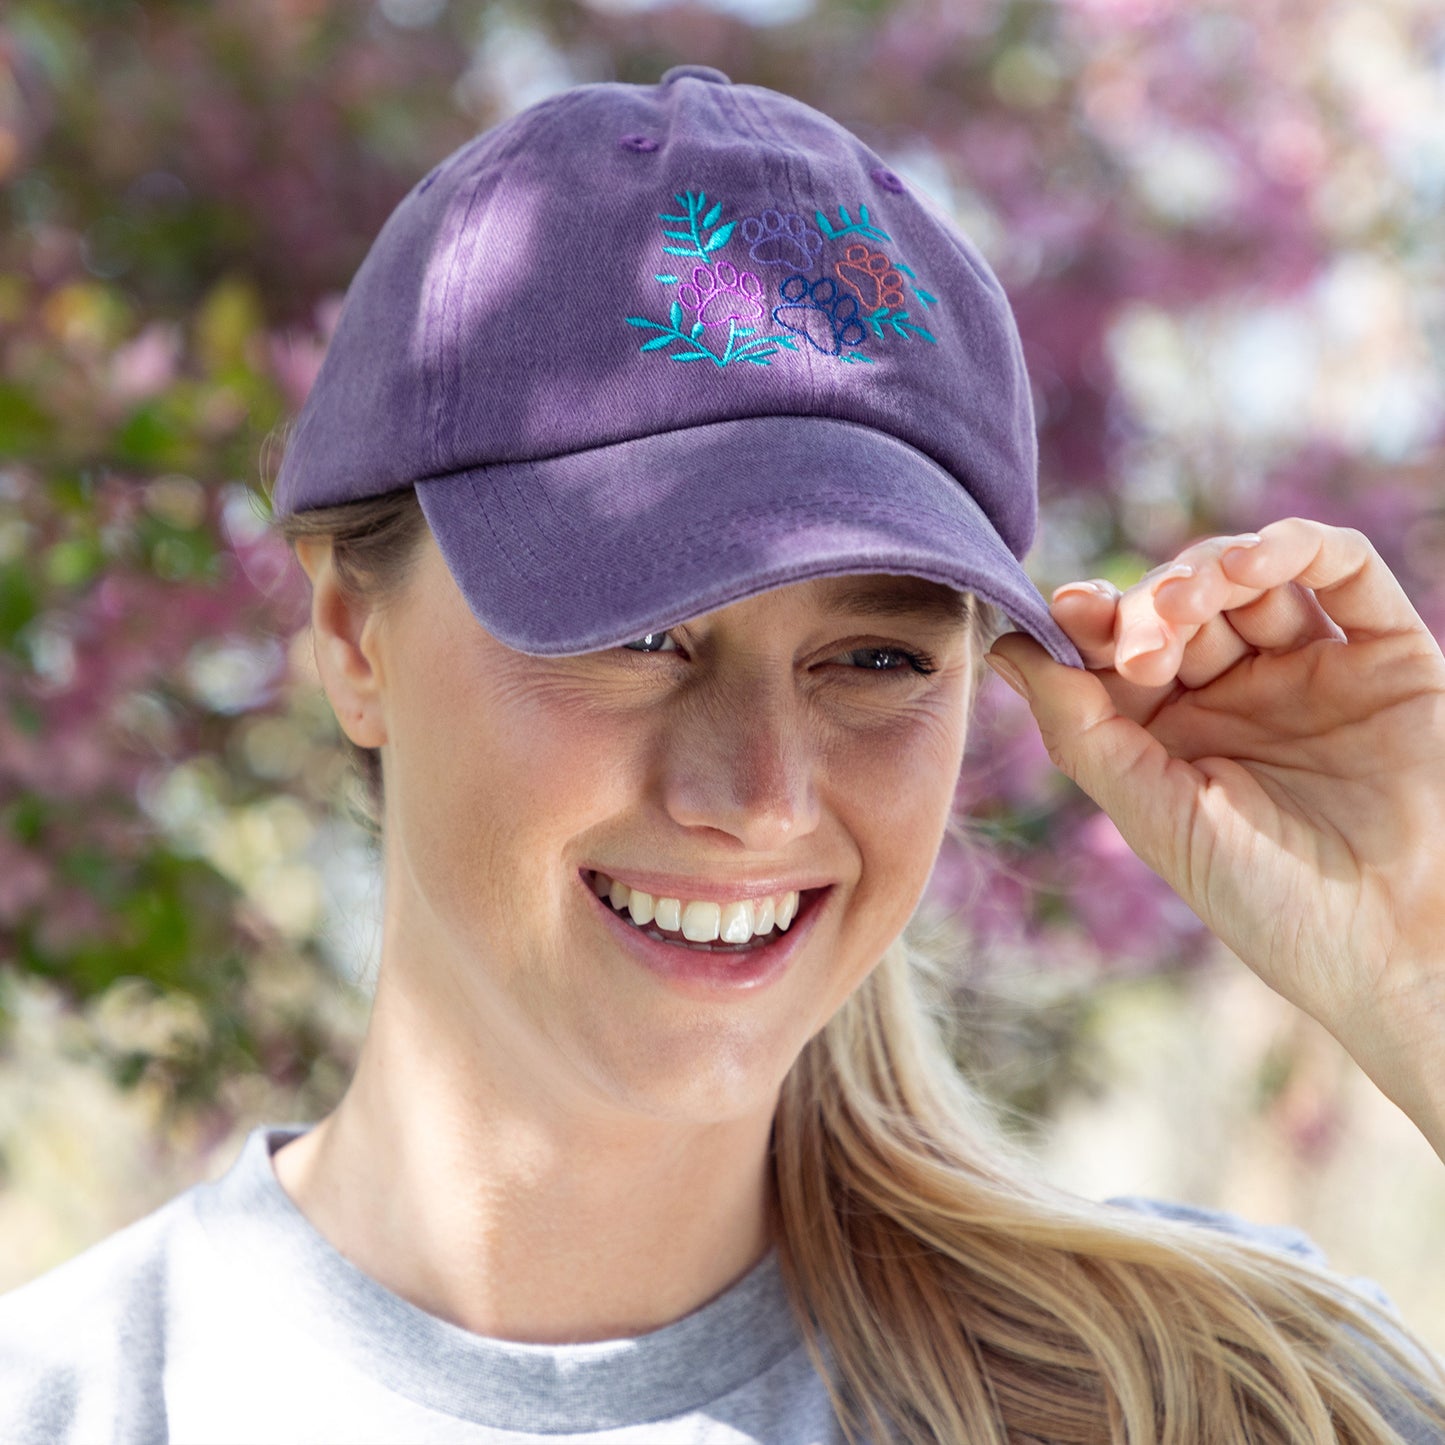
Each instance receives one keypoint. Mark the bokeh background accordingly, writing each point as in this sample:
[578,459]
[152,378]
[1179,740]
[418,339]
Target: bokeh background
[1220,225]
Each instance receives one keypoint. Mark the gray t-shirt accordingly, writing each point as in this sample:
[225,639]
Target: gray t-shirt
[225,1316]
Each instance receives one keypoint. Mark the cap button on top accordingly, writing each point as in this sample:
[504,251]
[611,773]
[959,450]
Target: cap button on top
[695,72]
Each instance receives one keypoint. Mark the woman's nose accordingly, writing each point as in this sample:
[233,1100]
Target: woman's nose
[744,764]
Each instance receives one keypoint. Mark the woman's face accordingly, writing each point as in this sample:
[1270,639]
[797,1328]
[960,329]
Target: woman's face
[783,742]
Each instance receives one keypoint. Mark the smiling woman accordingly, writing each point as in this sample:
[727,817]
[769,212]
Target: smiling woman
[659,675]
[794,751]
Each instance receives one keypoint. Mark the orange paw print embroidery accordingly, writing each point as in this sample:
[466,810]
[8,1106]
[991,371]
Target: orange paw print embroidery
[871,277]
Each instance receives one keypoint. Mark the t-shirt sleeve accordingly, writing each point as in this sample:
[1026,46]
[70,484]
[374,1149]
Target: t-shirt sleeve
[83,1345]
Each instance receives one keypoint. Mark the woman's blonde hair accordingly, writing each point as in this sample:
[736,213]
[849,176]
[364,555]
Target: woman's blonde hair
[947,1293]
[963,1299]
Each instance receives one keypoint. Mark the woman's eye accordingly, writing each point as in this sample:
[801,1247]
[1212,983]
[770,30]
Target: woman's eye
[652,642]
[891,659]
[862,659]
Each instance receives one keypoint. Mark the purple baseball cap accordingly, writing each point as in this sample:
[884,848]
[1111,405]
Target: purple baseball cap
[645,350]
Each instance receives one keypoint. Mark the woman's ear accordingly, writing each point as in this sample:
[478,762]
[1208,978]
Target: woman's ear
[344,637]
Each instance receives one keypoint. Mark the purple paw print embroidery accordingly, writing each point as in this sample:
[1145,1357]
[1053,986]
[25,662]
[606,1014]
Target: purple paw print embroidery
[725,314]
[722,293]
[778,239]
[821,314]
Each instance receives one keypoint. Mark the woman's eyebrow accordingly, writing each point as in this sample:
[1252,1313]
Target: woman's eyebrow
[901,601]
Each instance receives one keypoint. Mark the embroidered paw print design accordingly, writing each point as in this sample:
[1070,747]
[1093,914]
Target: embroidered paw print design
[725,314]
[819,313]
[871,277]
[779,239]
[722,293]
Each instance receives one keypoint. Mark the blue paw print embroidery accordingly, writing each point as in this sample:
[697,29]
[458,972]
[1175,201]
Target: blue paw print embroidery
[821,314]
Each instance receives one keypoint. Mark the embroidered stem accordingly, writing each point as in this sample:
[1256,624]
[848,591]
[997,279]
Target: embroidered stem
[927,297]
[899,322]
[699,247]
[757,350]
[863,225]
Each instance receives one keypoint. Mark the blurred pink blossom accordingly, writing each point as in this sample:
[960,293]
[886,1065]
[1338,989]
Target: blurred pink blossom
[71,918]
[990,896]
[24,881]
[295,359]
[1116,13]
[268,565]
[146,365]
[296,356]
[1132,915]
[328,313]
[1006,761]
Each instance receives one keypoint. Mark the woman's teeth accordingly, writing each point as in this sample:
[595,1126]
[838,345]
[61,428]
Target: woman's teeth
[698,921]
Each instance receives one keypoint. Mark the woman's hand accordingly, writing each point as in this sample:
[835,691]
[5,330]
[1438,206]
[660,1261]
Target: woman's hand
[1268,734]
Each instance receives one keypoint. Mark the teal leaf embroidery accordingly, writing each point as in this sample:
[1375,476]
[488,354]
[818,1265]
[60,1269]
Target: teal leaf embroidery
[696,232]
[863,225]
[927,297]
[899,322]
[756,350]
[720,236]
[701,245]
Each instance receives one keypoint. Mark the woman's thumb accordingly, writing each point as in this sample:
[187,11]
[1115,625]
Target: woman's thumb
[1108,755]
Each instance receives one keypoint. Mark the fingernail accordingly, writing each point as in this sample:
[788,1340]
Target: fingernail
[1178,570]
[1090,589]
[1146,637]
[1241,544]
[1009,673]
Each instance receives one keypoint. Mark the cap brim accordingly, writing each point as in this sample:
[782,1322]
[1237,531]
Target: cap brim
[596,548]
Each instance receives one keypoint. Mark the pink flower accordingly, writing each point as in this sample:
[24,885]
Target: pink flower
[1005,761]
[24,881]
[295,359]
[147,365]
[74,918]
[1132,915]
[990,896]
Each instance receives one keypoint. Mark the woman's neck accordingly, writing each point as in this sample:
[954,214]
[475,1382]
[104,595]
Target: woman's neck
[525,1219]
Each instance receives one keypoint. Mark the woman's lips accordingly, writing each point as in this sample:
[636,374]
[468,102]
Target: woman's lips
[675,926]
[675,885]
[707,968]
[734,921]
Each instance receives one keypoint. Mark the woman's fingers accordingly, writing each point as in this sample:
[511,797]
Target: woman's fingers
[1087,611]
[1225,598]
[1162,616]
[1339,565]
[1278,620]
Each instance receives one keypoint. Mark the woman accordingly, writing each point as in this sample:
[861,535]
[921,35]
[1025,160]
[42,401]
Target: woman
[668,473]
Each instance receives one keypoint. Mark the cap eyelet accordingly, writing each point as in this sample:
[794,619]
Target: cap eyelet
[640,143]
[888,180]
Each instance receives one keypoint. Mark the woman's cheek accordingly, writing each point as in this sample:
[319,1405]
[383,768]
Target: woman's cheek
[913,758]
